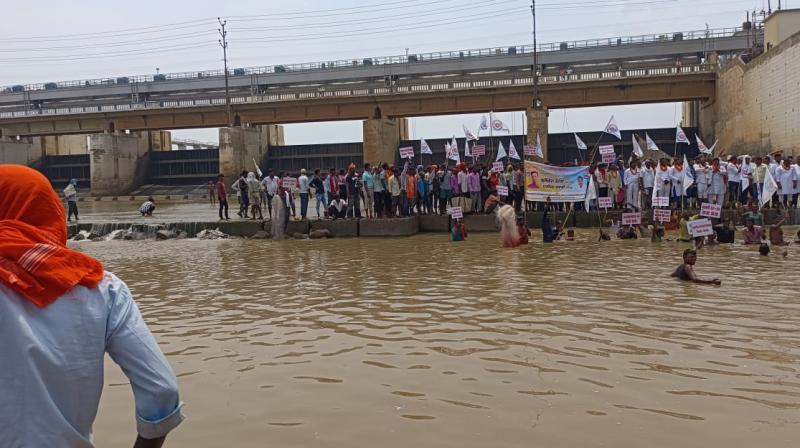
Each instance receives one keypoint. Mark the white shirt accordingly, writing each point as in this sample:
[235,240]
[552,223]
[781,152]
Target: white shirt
[702,174]
[302,183]
[338,204]
[270,185]
[52,366]
[463,182]
[785,178]
[648,177]
[733,171]
[631,177]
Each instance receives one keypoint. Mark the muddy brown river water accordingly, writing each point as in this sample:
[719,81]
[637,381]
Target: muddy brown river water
[420,342]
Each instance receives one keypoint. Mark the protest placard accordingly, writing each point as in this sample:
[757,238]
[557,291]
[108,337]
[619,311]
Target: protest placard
[406,152]
[608,158]
[478,150]
[497,167]
[502,191]
[631,219]
[289,182]
[700,227]
[607,149]
[661,201]
[710,210]
[529,150]
[455,212]
[605,202]
[662,215]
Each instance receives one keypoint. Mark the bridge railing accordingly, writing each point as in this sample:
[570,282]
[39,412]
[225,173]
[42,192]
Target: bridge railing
[479,82]
[387,60]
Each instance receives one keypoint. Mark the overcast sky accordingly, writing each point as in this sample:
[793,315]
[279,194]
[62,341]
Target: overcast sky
[83,39]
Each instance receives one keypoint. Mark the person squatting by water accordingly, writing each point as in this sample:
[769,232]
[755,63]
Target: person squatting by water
[61,313]
[148,207]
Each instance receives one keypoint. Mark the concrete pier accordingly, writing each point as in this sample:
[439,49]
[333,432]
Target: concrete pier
[118,162]
[382,137]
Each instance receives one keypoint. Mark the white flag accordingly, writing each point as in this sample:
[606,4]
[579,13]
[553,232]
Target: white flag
[769,189]
[580,143]
[688,180]
[512,150]
[468,134]
[636,148]
[651,145]
[424,148]
[680,136]
[591,193]
[701,146]
[501,152]
[711,149]
[612,128]
[538,147]
[497,124]
[467,152]
[484,126]
[452,152]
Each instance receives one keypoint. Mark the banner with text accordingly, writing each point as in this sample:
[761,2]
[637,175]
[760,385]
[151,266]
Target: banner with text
[560,184]
[407,152]
[700,227]
[478,150]
[662,215]
[502,191]
[631,219]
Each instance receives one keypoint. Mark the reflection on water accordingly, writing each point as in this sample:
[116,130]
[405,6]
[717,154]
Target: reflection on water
[423,342]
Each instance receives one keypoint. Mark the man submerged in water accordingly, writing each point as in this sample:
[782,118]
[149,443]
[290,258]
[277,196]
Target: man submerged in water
[686,270]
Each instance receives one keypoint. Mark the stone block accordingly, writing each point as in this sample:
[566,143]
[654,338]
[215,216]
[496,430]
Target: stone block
[480,223]
[237,228]
[434,223]
[389,227]
[338,228]
[302,226]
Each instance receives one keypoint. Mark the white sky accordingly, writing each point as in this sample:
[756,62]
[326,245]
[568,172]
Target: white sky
[82,39]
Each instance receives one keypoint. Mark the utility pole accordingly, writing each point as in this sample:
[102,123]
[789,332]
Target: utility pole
[536,104]
[224,44]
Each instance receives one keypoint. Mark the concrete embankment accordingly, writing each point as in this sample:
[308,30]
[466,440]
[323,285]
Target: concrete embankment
[382,227]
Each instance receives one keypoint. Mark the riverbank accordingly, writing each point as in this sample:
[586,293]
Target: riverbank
[372,227]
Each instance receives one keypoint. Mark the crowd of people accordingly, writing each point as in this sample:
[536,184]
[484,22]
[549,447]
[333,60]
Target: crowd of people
[385,190]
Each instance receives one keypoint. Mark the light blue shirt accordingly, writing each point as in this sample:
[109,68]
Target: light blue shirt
[51,366]
[369,180]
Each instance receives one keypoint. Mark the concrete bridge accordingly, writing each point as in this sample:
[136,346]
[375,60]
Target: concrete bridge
[671,67]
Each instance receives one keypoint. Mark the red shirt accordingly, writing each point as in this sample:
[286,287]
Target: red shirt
[222,194]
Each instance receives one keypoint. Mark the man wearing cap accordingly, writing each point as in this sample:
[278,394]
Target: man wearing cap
[302,185]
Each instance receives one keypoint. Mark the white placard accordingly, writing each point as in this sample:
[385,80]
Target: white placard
[502,191]
[607,149]
[455,212]
[700,227]
[608,158]
[661,201]
[631,219]
[711,210]
[406,152]
[497,167]
[529,150]
[605,202]
[289,182]
[478,150]
[662,215]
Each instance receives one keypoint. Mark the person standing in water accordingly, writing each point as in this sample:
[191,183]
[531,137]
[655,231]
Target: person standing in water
[61,313]
[685,271]
[71,194]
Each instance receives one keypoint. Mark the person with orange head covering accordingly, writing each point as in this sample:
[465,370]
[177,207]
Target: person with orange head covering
[60,312]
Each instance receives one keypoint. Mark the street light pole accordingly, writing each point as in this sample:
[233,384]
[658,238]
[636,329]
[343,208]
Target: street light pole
[535,58]
[224,44]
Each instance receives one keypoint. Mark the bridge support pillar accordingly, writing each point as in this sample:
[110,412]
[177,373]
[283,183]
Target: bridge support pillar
[118,162]
[20,152]
[537,124]
[239,146]
[382,137]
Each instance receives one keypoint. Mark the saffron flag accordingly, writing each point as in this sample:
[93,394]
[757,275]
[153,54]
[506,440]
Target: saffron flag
[680,136]
[512,151]
[612,128]
[770,188]
[468,134]
[636,148]
[581,145]
[501,152]
[424,148]
[651,145]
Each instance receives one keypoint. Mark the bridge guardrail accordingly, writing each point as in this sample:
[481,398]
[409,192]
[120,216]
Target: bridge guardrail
[388,60]
[431,86]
